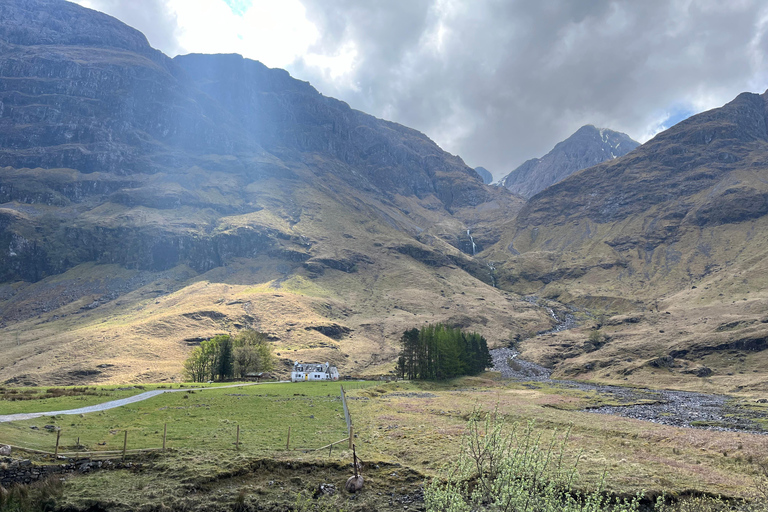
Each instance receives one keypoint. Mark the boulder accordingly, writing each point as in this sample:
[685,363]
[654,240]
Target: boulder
[5,450]
[354,484]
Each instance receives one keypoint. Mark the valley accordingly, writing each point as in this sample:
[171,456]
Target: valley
[150,203]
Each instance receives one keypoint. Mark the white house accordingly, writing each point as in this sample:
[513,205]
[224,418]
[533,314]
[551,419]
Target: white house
[313,371]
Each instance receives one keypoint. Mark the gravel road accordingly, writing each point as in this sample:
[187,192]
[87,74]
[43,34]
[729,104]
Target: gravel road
[110,405]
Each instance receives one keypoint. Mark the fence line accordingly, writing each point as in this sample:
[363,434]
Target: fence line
[86,454]
[347,417]
[125,450]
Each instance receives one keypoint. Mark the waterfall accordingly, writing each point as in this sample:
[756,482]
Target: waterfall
[474,247]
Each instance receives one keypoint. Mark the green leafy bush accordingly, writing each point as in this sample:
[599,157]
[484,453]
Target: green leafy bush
[224,357]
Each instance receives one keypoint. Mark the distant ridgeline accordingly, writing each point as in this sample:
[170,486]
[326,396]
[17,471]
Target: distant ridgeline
[438,352]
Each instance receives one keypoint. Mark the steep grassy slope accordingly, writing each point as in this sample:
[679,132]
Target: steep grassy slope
[147,203]
[677,225]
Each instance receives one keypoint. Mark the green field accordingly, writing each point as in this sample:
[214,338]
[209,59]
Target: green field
[406,432]
[40,399]
[206,417]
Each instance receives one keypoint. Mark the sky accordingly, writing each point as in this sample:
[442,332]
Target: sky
[495,81]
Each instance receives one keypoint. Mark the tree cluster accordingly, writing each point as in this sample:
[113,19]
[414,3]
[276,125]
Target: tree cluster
[437,352]
[225,357]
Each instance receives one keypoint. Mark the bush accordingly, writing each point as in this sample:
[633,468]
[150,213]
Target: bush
[500,471]
[223,357]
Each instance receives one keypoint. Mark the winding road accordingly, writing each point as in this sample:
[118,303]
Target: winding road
[112,404]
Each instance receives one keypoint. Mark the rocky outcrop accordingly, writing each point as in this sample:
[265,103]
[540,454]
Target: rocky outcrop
[281,112]
[112,152]
[692,156]
[587,147]
[24,471]
[485,174]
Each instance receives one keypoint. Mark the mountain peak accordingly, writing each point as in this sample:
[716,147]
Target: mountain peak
[56,22]
[587,146]
[485,174]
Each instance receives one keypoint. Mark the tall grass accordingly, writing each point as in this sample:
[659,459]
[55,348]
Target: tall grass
[36,497]
[518,471]
[515,471]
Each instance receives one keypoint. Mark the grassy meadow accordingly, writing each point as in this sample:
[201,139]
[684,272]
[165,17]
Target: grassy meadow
[405,432]
[205,416]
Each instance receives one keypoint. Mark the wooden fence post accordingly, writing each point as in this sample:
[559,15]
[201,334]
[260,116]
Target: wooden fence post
[165,433]
[125,444]
[58,436]
[288,442]
[351,435]
[237,441]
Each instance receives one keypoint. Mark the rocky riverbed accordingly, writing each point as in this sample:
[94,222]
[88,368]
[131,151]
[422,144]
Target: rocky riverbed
[676,408]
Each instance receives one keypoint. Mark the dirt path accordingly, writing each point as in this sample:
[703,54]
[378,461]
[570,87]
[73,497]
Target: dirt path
[676,408]
[111,404]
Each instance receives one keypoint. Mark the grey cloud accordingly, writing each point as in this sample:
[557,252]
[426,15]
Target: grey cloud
[514,77]
[521,76]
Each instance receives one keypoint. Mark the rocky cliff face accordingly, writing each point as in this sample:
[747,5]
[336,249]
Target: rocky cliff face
[676,209]
[125,126]
[703,153]
[587,147]
[207,193]
[281,112]
[485,174]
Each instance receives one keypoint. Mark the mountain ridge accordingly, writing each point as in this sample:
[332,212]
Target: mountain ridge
[668,244]
[148,202]
[586,147]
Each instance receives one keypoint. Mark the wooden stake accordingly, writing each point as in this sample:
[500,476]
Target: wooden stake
[354,460]
[58,436]
[288,442]
[237,442]
[351,435]
[165,433]
[125,444]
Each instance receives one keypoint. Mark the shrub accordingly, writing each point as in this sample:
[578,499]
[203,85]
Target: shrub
[500,471]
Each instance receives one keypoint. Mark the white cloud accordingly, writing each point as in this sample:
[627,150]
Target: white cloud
[275,33]
[336,68]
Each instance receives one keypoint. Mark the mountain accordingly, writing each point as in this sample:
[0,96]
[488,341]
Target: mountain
[667,245]
[147,203]
[587,147]
[485,174]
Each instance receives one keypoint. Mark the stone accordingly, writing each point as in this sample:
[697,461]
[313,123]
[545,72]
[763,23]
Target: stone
[325,490]
[5,450]
[354,484]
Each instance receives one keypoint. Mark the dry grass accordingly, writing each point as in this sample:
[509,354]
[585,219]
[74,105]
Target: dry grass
[424,432]
[140,336]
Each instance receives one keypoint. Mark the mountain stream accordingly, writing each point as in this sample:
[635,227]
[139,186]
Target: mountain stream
[667,407]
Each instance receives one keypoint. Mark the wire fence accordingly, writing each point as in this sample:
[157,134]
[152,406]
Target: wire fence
[297,433]
[347,417]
